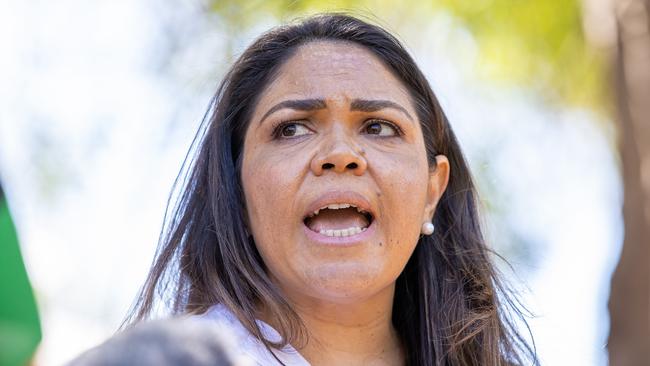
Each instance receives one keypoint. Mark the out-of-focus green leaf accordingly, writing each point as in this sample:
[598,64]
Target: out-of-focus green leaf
[538,43]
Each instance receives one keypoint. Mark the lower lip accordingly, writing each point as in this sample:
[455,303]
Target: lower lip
[342,241]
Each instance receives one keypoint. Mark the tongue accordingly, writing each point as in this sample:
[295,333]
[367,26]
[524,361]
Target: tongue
[337,219]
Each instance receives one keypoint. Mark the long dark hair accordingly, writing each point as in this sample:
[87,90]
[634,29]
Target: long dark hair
[450,307]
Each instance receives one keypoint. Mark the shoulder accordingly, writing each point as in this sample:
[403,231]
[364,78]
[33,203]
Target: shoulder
[246,344]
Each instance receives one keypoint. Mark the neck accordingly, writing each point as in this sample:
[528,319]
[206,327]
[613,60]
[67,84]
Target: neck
[350,333]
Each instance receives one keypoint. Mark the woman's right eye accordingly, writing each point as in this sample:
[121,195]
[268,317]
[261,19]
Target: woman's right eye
[291,129]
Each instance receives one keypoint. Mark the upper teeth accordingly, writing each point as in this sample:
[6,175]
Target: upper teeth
[337,206]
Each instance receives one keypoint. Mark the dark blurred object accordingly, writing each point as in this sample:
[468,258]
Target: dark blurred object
[629,303]
[169,342]
[20,330]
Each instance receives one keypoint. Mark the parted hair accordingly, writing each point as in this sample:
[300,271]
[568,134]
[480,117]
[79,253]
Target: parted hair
[450,307]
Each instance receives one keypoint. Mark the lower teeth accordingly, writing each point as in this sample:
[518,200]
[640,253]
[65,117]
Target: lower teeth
[343,232]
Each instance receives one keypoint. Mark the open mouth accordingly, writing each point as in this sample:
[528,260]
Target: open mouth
[338,219]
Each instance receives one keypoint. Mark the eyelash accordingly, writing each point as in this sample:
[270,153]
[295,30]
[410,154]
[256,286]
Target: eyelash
[277,127]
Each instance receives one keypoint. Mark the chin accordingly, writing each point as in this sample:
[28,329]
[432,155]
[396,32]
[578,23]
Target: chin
[343,282]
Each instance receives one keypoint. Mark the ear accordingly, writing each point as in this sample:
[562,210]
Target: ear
[438,179]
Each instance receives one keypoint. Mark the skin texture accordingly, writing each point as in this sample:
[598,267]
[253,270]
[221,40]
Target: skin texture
[344,294]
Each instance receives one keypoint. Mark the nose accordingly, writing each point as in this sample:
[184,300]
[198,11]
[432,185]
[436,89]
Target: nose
[339,155]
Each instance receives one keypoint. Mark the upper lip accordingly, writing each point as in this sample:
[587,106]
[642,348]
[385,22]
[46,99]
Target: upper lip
[351,197]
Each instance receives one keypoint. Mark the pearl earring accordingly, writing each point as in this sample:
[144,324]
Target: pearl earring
[427,228]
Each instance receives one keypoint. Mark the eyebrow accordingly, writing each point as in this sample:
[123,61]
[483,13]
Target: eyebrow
[297,104]
[363,105]
[366,105]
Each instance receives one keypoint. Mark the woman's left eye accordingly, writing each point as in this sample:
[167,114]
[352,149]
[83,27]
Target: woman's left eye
[381,128]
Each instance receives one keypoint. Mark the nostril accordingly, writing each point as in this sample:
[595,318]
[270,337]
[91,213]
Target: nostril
[352,166]
[328,166]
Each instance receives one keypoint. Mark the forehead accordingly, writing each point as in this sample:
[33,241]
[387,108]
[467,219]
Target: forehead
[335,71]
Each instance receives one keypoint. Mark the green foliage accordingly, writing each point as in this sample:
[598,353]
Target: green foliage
[537,43]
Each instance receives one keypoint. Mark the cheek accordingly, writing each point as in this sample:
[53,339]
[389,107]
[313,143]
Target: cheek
[269,182]
[403,183]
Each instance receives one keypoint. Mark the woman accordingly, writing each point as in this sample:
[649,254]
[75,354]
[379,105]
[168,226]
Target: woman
[329,214]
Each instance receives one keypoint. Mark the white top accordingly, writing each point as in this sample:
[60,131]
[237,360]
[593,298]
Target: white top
[246,344]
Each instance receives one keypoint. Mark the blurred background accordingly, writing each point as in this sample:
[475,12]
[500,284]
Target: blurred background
[99,102]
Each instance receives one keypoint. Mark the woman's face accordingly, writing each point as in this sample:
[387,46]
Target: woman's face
[335,175]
